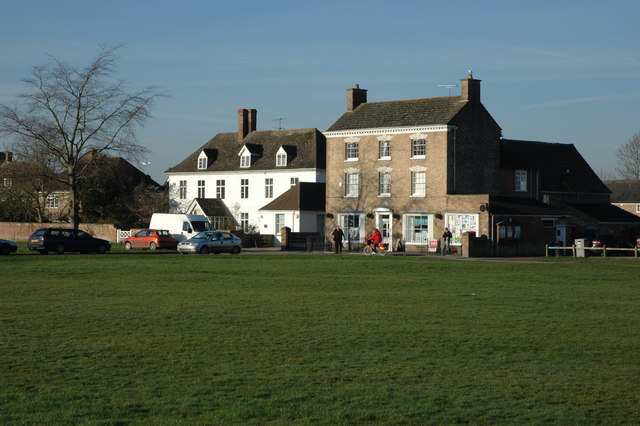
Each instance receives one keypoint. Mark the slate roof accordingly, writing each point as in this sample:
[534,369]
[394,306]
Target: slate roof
[624,191]
[562,168]
[417,112]
[309,196]
[518,206]
[213,207]
[306,146]
[606,213]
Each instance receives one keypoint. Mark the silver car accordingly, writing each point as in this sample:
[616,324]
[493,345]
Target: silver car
[211,242]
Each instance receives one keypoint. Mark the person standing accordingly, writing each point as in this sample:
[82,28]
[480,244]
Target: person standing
[338,236]
[446,241]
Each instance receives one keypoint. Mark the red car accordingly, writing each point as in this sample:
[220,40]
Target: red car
[151,239]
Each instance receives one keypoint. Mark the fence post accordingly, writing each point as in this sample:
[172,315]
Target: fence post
[573,249]
[546,250]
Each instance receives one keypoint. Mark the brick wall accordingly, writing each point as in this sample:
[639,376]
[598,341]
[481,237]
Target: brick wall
[18,231]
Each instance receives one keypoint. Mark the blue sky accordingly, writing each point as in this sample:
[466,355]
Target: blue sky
[554,71]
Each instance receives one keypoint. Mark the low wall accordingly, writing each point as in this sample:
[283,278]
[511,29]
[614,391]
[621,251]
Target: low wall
[20,231]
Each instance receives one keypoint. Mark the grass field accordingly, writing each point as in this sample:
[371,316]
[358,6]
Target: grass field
[168,339]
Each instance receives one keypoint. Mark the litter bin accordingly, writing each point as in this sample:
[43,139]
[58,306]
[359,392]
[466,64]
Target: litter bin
[580,245]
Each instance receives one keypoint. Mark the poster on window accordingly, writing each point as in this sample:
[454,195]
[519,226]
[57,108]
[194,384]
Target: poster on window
[459,223]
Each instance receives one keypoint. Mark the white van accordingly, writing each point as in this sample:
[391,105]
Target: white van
[181,226]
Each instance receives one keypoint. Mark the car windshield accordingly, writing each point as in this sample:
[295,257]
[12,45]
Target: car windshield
[203,235]
[39,232]
[163,233]
[200,226]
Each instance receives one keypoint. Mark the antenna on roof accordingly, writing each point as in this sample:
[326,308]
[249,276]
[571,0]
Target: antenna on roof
[448,86]
[279,120]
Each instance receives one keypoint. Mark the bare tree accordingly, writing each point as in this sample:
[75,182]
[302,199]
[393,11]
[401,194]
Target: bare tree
[75,114]
[629,159]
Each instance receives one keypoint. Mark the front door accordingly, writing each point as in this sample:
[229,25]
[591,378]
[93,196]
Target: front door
[384,226]
[561,235]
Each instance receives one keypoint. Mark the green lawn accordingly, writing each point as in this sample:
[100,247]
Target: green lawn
[148,338]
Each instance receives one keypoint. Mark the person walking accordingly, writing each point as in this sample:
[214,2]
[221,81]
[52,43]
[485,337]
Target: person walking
[338,236]
[446,241]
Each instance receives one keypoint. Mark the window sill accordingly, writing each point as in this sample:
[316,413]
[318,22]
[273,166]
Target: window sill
[418,157]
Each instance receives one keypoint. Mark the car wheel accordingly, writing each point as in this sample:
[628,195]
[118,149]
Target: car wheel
[235,250]
[152,246]
[5,250]
[204,250]
[59,249]
[127,245]
[102,249]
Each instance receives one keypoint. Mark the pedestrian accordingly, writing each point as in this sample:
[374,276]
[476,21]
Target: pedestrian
[446,241]
[338,236]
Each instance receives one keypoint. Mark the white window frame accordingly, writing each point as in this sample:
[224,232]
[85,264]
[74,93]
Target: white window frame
[351,184]
[281,158]
[419,186]
[268,188]
[245,161]
[417,233]
[201,188]
[244,221]
[8,182]
[384,184]
[220,189]
[53,201]
[202,161]
[521,181]
[384,149]
[294,181]
[182,190]
[279,222]
[244,189]
[352,226]
[637,208]
[418,148]
[459,223]
[351,151]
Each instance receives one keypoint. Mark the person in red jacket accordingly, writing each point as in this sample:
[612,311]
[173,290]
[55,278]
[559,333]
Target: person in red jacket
[375,238]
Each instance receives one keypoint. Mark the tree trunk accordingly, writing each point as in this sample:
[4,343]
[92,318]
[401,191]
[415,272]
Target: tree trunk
[74,206]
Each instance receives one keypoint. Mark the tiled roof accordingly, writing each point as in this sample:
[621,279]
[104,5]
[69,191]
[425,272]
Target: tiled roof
[417,112]
[606,213]
[562,168]
[309,196]
[307,145]
[624,191]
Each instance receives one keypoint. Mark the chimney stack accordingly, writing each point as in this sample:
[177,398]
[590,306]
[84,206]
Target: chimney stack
[355,97]
[6,157]
[246,122]
[470,89]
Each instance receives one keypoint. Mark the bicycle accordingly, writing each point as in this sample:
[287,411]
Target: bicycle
[369,249]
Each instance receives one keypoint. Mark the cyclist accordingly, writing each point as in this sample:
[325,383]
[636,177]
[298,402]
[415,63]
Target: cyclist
[375,239]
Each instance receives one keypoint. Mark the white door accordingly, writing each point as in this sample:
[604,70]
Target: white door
[384,226]
[561,235]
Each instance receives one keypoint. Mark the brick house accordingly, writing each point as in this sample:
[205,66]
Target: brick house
[245,171]
[412,167]
[625,194]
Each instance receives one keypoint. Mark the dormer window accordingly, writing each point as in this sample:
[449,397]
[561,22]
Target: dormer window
[202,161]
[245,157]
[281,158]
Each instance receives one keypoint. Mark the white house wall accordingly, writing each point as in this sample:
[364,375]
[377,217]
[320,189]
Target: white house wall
[235,204]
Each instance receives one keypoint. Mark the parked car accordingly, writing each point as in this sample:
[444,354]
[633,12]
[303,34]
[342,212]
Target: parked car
[60,240]
[7,247]
[211,242]
[611,241]
[151,239]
